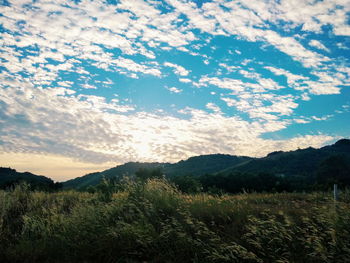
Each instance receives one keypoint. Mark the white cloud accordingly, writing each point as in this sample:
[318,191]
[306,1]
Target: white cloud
[323,118]
[301,121]
[178,70]
[88,86]
[252,98]
[127,38]
[229,101]
[264,84]
[229,68]
[320,88]
[293,48]
[240,21]
[174,90]
[85,129]
[184,80]
[326,83]
[305,97]
[213,107]
[81,29]
[317,44]
[292,79]
[310,15]
[235,85]
[66,84]
[266,107]
[135,67]
[341,45]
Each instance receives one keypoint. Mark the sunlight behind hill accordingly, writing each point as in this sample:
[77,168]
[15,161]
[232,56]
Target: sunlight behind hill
[56,167]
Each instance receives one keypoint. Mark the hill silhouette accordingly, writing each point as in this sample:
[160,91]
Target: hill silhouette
[194,166]
[10,177]
[299,162]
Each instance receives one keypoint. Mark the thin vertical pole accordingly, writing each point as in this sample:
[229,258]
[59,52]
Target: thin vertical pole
[335,192]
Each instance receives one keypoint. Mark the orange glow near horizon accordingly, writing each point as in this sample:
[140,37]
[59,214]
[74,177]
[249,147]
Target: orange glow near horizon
[55,167]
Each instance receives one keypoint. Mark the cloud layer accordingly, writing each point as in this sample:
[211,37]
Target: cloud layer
[103,83]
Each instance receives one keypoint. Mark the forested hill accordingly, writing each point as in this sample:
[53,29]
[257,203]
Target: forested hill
[92,179]
[195,166]
[10,177]
[332,159]
[299,162]
[304,162]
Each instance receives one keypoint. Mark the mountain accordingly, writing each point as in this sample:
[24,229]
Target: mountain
[127,169]
[299,162]
[10,177]
[196,166]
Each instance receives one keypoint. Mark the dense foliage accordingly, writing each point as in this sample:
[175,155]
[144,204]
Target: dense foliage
[184,212]
[9,178]
[195,166]
[303,168]
[333,170]
[151,221]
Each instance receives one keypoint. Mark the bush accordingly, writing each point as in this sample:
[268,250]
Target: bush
[152,221]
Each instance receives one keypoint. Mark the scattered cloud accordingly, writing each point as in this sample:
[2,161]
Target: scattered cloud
[174,90]
[178,70]
[88,86]
[184,80]
[317,44]
[84,129]
[77,77]
[213,107]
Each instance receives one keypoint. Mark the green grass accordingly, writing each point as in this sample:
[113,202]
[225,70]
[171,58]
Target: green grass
[154,222]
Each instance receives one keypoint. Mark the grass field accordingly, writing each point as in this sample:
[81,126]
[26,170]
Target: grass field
[153,222]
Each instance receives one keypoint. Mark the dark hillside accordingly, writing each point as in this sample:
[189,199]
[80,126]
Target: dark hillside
[204,164]
[127,169]
[196,166]
[301,162]
[10,177]
[298,162]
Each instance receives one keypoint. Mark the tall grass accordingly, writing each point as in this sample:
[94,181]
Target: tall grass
[154,222]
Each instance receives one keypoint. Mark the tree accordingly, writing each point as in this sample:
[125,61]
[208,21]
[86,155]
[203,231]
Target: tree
[335,169]
[187,184]
[143,174]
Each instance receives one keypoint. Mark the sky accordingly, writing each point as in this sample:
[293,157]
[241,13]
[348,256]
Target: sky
[87,85]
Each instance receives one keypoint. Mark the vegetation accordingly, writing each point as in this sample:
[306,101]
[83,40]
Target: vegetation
[195,166]
[150,220]
[302,168]
[334,170]
[213,208]
[9,178]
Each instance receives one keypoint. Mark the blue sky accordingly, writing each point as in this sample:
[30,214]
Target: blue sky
[87,85]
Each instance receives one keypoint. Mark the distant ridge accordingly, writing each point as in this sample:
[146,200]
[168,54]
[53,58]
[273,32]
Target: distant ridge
[196,166]
[298,162]
[127,169]
[343,142]
[10,177]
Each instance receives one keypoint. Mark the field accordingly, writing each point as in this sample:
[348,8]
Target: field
[154,222]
